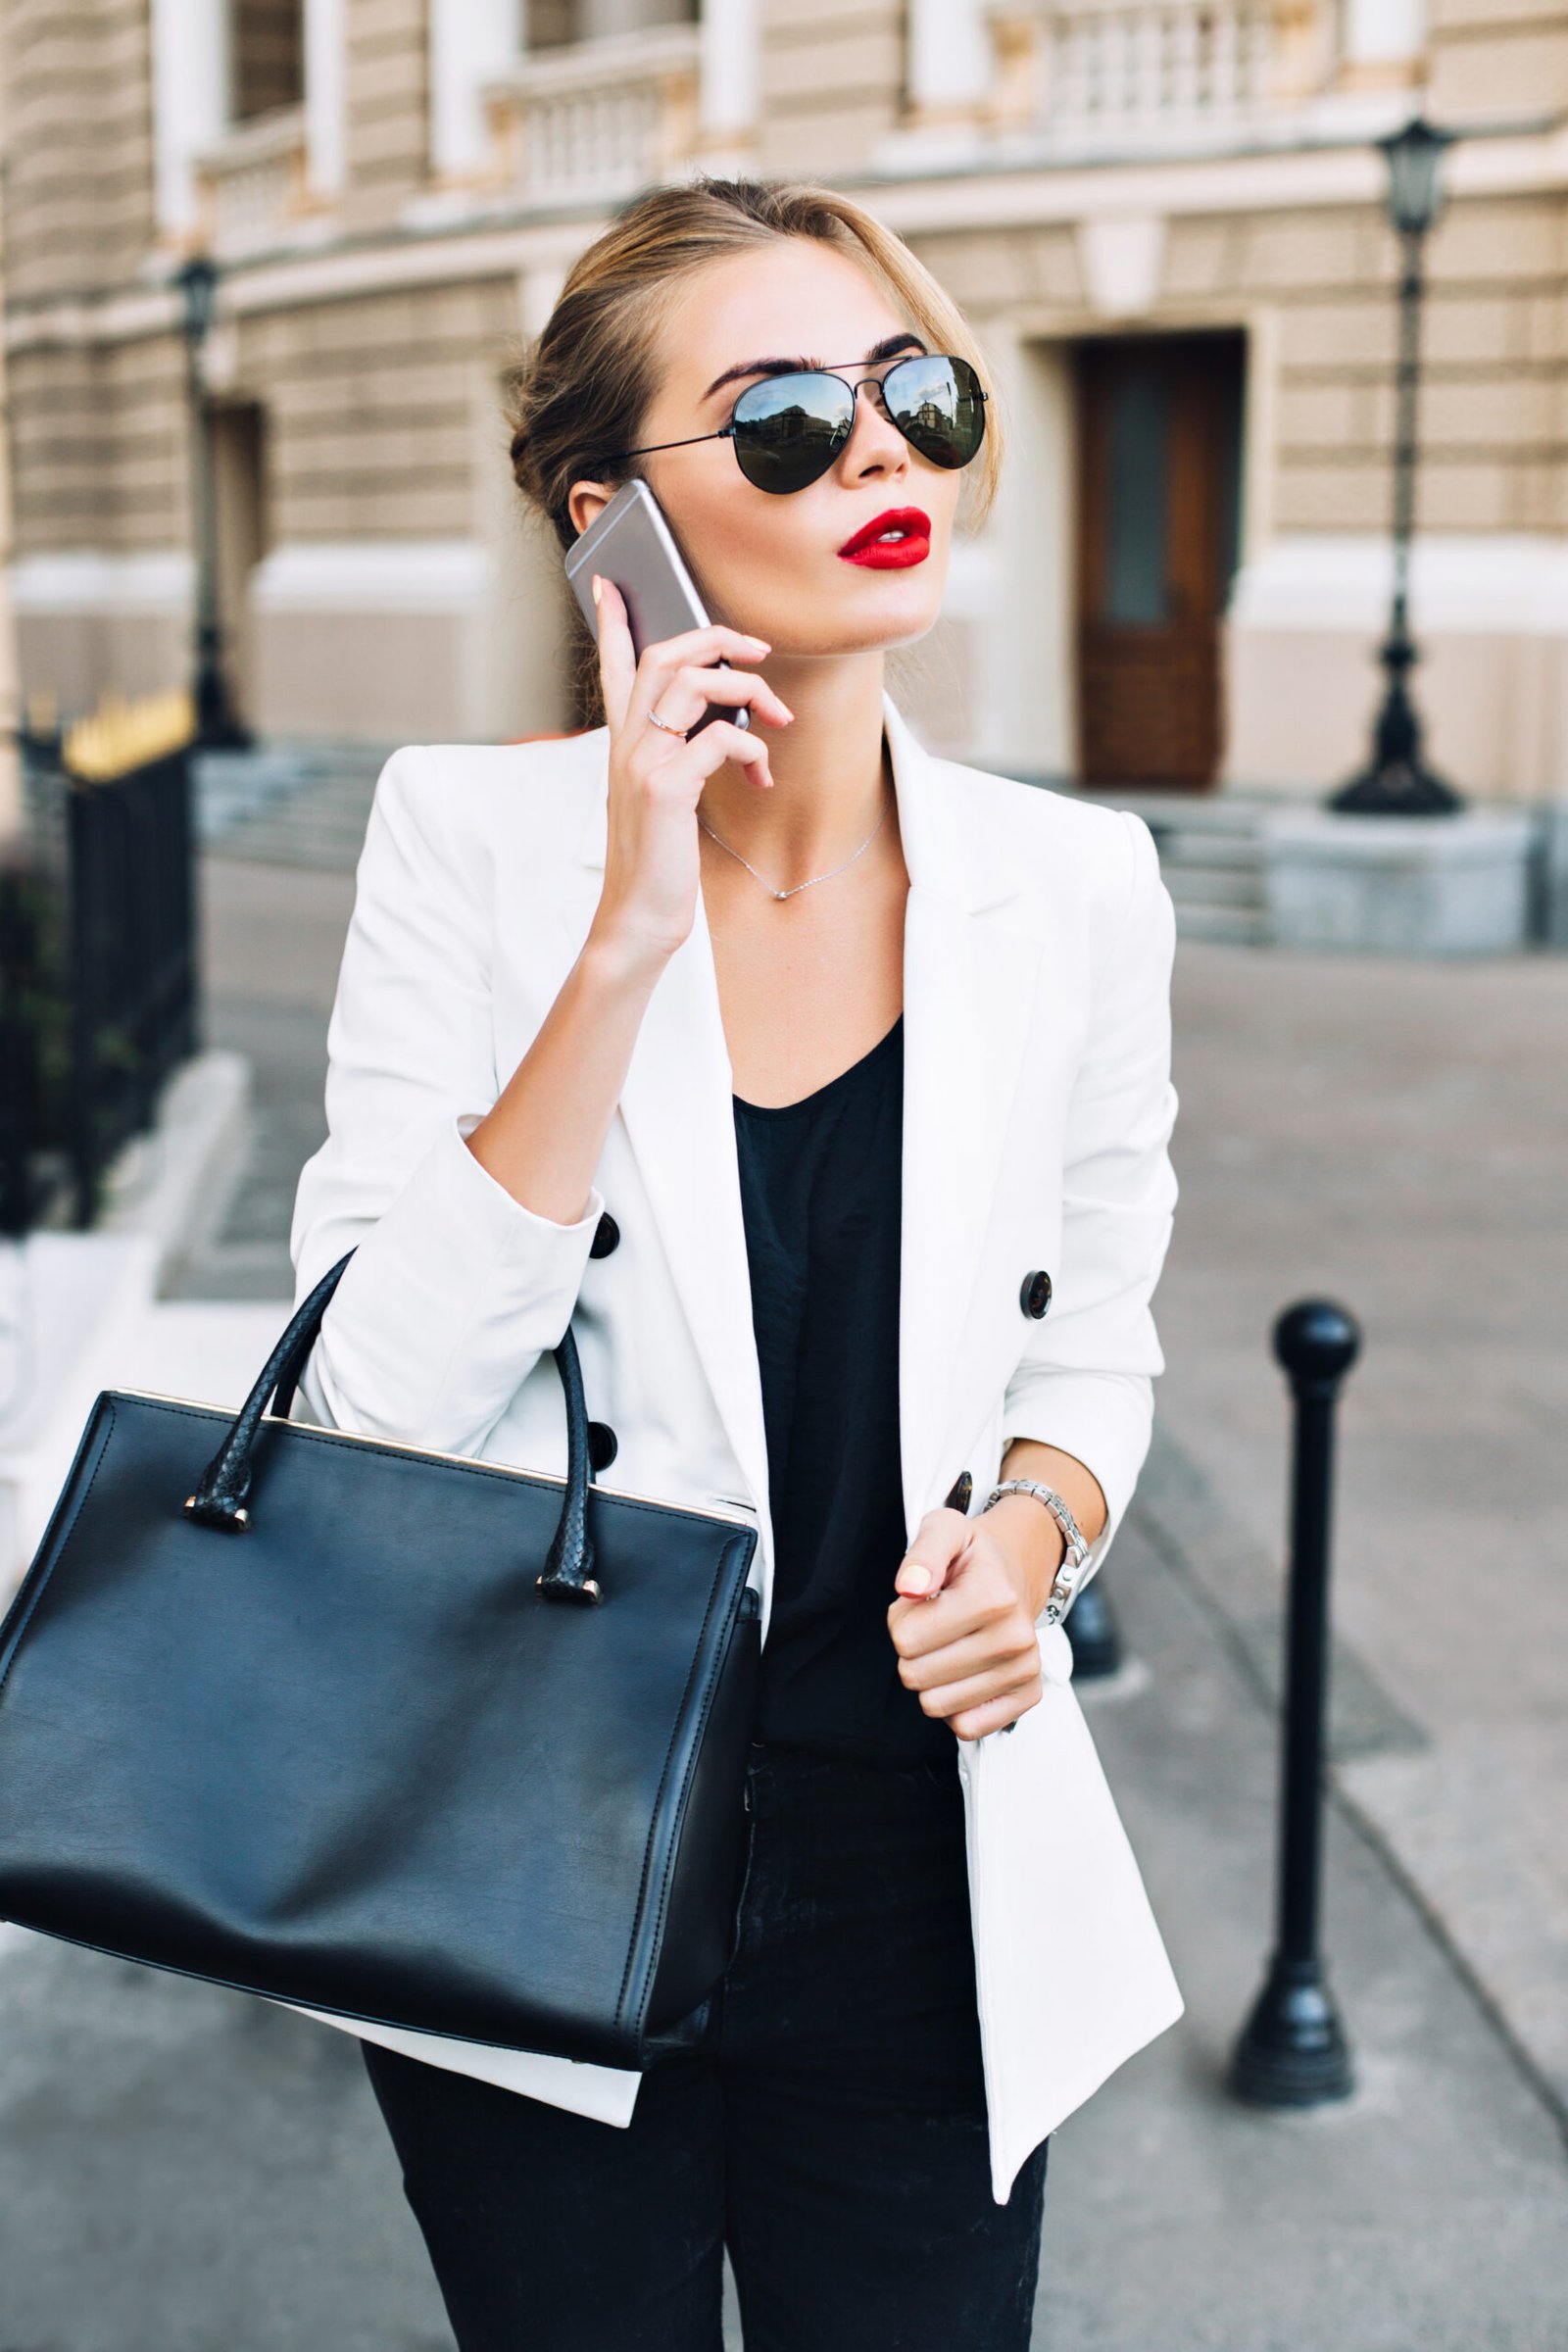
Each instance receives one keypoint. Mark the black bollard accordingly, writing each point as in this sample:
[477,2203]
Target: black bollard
[1092,1629]
[1291,2051]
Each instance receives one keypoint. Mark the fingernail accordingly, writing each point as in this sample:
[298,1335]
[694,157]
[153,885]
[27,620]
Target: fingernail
[595,587]
[762,640]
[915,1580]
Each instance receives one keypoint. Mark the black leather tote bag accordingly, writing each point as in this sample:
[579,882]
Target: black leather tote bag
[396,1735]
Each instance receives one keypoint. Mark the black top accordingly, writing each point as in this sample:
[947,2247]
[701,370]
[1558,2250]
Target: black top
[822,1186]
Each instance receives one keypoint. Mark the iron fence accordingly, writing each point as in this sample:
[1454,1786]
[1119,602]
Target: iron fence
[98,978]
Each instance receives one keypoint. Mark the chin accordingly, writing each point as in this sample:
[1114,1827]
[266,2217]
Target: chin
[910,600]
[900,614]
[905,628]
[905,637]
[855,641]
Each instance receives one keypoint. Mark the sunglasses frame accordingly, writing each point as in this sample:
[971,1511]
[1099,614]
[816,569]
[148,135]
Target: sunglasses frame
[726,432]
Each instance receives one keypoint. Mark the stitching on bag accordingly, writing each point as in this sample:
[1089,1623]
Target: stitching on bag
[669,1871]
[663,1779]
[64,1538]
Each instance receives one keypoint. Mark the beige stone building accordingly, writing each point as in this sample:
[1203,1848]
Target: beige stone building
[1164,216]
[11,795]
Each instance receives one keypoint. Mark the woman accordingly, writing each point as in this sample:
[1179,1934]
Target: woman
[824,1085]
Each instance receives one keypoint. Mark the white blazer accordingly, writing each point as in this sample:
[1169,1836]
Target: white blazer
[1038,1109]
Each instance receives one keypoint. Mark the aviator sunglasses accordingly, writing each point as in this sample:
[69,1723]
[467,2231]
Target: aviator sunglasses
[788,429]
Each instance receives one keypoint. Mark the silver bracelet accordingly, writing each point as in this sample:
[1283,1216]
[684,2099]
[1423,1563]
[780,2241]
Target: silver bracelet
[1068,1574]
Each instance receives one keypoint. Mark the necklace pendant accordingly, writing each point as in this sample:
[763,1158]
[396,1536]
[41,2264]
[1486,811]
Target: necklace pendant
[781,894]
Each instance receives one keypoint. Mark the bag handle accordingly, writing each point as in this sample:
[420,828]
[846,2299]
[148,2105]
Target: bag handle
[222,1492]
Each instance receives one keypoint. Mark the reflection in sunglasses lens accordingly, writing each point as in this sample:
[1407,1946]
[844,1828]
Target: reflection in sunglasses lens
[788,429]
[937,404]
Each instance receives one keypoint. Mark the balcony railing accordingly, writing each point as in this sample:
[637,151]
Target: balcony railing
[1092,75]
[255,186]
[599,119]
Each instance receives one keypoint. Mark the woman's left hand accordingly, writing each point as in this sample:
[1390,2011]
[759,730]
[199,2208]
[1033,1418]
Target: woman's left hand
[966,1637]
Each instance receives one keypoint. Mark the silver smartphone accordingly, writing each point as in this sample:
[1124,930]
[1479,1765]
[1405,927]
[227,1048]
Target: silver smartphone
[631,542]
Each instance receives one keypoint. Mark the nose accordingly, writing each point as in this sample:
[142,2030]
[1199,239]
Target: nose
[873,436]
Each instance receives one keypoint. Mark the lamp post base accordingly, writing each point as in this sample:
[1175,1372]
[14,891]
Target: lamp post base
[1291,2051]
[224,733]
[1093,1633]
[1396,781]
[1396,788]
[219,727]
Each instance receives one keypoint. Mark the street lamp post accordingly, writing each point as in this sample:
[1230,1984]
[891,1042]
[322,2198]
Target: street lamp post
[216,722]
[1397,782]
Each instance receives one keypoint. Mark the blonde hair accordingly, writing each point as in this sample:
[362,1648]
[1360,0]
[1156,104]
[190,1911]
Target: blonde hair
[582,387]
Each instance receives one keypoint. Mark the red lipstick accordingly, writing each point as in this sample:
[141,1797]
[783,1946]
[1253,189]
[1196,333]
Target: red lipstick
[912,543]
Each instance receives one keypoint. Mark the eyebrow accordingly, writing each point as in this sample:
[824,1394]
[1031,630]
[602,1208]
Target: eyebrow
[879,350]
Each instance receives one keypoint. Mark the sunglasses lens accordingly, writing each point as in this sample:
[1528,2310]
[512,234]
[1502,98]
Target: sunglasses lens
[938,405]
[790,428]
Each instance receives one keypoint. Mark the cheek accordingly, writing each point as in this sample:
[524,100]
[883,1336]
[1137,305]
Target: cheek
[942,501]
[752,547]
[768,564]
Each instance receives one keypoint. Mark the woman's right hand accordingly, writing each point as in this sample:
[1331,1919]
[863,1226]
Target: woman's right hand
[649,900]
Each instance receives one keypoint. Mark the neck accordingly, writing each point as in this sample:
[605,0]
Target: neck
[830,785]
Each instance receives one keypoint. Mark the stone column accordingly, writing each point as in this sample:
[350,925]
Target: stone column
[948,66]
[730,84]
[1381,38]
[190,104]
[11,799]
[327,144]
[471,41]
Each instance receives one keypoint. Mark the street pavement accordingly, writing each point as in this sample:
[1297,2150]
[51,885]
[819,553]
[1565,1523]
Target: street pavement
[183,2170]
[1395,1135]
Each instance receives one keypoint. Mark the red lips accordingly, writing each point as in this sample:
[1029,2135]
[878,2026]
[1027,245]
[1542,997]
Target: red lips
[868,545]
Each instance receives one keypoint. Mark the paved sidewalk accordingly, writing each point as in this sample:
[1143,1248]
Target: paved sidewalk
[181,2169]
[1396,1135]
[1427,2213]
[271,944]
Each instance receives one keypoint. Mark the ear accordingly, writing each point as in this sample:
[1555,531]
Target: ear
[585,499]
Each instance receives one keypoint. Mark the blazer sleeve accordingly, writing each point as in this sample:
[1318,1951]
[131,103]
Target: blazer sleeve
[1085,1382]
[454,1288]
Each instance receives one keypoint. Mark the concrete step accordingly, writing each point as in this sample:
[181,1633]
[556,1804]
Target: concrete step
[228,785]
[1195,812]
[1192,845]
[1232,926]
[1214,885]
[74,1308]
[67,1302]
[316,818]
[1211,857]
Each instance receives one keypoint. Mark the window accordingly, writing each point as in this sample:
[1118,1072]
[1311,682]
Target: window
[266,56]
[557,23]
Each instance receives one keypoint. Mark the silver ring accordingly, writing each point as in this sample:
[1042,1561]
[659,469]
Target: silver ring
[668,725]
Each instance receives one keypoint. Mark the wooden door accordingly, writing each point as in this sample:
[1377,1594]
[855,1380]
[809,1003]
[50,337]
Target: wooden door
[1160,444]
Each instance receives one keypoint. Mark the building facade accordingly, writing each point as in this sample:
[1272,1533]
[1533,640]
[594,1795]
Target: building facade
[1163,217]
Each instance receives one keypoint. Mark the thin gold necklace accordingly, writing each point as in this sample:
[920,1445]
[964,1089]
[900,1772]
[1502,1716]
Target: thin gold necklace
[798,886]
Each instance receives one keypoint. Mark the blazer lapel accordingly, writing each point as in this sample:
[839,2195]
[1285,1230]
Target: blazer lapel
[677,1105]
[970,977]
[970,966]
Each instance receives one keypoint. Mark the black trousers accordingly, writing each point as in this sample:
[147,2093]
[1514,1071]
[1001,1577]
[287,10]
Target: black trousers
[832,2132]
